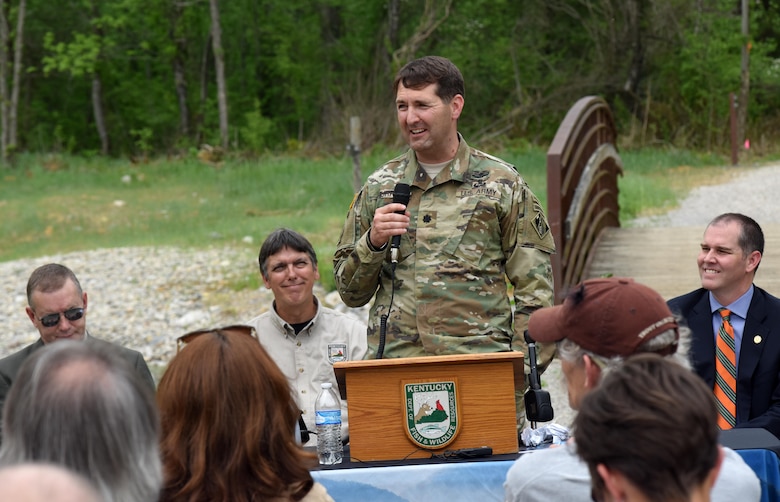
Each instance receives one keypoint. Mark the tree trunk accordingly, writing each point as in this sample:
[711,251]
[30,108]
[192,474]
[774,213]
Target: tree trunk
[179,74]
[18,46]
[97,107]
[635,12]
[180,80]
[393,15]
[431,19]
[516,67]
[744,90]
[3,84]
[204,69]
[97,87]
[219,66]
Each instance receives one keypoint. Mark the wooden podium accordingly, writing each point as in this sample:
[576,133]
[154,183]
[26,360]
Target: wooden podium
[413,407]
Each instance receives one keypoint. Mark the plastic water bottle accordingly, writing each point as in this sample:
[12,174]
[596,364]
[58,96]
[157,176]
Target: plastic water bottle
[327,411]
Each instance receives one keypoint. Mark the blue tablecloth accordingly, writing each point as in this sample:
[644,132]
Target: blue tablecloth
[475,481]
[767,467]
[467,481]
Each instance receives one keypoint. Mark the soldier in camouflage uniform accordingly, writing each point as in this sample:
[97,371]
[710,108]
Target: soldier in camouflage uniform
[471,225]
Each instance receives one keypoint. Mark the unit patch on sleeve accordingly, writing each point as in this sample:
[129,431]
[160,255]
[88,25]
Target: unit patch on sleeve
[540,224]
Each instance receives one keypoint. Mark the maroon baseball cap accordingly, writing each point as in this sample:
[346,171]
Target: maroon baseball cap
[609,317]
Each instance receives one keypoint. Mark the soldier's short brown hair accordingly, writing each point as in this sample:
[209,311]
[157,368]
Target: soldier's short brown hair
[432,70]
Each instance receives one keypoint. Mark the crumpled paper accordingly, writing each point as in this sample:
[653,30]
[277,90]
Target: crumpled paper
[547,434]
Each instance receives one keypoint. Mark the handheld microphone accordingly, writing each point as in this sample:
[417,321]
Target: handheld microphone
[401,195]
[538,407]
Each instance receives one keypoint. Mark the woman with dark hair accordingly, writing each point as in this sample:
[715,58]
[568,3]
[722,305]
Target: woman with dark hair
[228,424]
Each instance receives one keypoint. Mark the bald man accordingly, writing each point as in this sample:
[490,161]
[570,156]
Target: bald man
[44,483]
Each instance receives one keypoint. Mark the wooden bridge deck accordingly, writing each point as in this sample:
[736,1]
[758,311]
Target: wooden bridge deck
[665,258]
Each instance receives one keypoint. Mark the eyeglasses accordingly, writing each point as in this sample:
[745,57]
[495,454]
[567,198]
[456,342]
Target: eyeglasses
[235,328]
[54,319]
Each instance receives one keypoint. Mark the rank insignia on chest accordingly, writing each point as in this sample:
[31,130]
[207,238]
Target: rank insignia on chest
[479,178]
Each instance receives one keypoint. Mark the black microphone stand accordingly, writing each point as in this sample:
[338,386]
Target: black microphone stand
[538,406]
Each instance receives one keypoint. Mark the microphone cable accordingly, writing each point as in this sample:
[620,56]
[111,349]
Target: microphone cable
[383,318]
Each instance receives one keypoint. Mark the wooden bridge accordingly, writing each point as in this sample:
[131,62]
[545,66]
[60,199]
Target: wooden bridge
[665,258]
[582,200]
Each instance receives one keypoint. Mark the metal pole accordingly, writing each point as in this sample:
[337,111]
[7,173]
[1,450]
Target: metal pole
[354,150]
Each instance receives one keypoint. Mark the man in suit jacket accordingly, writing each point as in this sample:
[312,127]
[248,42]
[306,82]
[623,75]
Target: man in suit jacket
[730,254]
[57,307]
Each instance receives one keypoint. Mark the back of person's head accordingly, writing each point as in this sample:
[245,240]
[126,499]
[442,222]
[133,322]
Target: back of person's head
[751,237]
[282,238]
[49,278]
[228,420]
[82,406]
[655,423]
[429,70]
[44,483]
[610,319]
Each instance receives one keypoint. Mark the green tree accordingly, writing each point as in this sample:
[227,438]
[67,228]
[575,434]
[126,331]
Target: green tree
[131,77]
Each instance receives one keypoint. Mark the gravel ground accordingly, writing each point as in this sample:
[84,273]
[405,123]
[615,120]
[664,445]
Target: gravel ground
[145,297]
[751,191]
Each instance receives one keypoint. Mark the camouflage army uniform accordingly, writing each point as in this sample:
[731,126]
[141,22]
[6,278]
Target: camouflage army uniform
[477,225]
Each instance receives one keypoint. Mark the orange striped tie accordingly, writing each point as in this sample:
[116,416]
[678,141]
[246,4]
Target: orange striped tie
[726,373]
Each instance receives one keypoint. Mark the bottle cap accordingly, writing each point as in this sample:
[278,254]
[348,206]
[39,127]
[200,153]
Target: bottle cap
[326,385]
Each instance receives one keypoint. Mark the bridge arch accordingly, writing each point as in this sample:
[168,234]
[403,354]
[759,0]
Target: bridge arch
[583,165]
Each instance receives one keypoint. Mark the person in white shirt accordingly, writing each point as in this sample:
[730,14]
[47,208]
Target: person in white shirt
[303,337]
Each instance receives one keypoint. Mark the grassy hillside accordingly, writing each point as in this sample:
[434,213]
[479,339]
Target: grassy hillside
[56,204]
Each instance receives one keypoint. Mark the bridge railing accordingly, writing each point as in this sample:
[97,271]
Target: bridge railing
[582,191]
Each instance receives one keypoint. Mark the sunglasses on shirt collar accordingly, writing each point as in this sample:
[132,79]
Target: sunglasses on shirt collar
[51,320]
[235,328]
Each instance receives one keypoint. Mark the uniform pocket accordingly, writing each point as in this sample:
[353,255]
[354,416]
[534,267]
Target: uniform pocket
[474,236]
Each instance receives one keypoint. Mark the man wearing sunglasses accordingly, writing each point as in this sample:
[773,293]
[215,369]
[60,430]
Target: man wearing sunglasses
[57,307]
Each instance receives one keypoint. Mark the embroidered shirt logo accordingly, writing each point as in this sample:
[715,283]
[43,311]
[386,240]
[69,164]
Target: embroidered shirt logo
[337,352]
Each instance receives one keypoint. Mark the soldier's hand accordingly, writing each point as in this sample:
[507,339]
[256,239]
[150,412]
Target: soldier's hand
[389,220]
